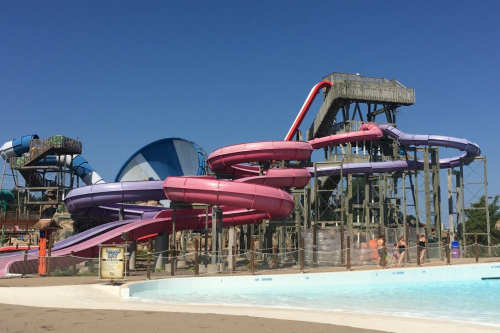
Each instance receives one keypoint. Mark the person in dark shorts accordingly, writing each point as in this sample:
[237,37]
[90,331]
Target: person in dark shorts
[402,250]
[422,244]
[380,249]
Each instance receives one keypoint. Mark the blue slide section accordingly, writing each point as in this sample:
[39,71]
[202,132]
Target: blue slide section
[163,158]
[80,166]
[22,145]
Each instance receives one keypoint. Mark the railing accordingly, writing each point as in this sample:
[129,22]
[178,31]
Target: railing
[57,141]
[349,126]
[331,250]
[353,158]
[38,147]
[14,216]
[349,87]
[263,261]
[17,163]
[343,77]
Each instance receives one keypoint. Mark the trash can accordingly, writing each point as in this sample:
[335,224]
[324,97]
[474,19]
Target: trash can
[455,250]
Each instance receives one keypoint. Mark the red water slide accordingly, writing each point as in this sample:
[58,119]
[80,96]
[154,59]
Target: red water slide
[305,107]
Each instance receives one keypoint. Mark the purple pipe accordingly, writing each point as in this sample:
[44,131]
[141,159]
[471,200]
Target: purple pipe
[471,150]
[112,212]
[91,199]
[86,200]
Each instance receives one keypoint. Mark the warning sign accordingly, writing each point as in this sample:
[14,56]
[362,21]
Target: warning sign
[112,262]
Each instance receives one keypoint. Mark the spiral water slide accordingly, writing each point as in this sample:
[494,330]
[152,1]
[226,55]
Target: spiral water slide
[407,140]
[249,198]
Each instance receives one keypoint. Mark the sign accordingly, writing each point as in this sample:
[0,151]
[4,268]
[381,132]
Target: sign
[112,262]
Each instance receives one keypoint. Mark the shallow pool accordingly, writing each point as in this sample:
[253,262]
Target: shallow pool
[474,300]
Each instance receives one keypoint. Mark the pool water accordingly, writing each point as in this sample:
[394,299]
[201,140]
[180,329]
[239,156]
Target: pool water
[472,301]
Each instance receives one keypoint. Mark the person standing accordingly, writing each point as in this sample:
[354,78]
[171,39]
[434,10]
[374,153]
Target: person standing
[380,250]
[422,242]
[402,250]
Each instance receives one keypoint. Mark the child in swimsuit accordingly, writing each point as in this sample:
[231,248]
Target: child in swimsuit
[394,254]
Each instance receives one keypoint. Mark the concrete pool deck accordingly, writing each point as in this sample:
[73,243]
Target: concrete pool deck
[55,293]
[105,297]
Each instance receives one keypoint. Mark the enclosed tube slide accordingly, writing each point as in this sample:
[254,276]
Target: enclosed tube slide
[78,165]
[471,150]
[16,147]
[225,159]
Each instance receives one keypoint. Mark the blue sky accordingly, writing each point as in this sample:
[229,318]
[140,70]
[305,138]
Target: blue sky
[120,74]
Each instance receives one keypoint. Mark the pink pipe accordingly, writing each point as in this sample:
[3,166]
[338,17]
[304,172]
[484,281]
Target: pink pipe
[367,132]
[305,107]
[281,178]
[225,157]
[276,202]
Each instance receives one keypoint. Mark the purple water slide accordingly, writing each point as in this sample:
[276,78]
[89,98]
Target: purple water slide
[471,150]
[94,199]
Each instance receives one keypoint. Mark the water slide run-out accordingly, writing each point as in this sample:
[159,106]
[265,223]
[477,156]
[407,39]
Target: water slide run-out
[247,199]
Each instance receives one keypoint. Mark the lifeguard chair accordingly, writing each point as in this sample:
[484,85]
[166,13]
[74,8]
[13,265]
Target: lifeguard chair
[45,228]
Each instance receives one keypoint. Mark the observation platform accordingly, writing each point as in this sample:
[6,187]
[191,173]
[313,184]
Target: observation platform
[39,148]
[350,88]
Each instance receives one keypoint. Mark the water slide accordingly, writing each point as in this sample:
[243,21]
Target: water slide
[16,147]
[6,197]
[247,199]
[305,108]
[79,165]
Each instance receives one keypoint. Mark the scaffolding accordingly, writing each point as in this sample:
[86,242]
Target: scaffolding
[364,201]
[44,174]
